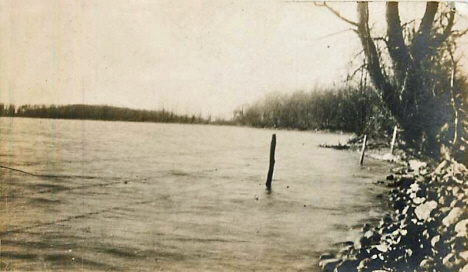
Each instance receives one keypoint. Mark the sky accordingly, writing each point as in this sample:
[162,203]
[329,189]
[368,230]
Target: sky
[207,57]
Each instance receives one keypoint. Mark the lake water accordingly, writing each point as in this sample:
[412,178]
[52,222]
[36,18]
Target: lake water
[169,197]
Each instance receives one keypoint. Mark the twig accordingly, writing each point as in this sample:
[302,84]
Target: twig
[336,13]
[457,33]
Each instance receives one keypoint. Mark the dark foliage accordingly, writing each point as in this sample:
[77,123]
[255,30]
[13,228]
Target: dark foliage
[356,110]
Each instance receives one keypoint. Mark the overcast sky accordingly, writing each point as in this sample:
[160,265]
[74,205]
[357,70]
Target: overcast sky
[204,57]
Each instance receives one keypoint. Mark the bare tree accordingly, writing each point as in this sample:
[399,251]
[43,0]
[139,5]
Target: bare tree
[417,86]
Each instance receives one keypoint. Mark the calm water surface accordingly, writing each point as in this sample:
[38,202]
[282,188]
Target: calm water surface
[169,197]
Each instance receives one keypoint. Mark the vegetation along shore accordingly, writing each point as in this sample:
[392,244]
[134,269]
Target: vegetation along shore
[415,70]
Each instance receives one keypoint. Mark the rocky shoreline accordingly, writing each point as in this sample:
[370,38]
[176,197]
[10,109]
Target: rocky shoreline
[427,229]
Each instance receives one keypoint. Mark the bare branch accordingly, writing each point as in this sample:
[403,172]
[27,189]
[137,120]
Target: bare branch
[383,39]
[459,34]
[448,29]
[408,23]
[336,13]
[335,33]
[355,57]
[363,66]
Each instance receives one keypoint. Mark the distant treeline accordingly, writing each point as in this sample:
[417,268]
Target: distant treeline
[100,112]
[356,110]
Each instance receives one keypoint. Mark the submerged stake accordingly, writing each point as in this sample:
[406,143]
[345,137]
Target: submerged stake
[272,161]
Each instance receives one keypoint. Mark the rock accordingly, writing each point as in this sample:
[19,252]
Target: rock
[464,255]
[399,170]
[451,262]
[427,264]
[425,234]
[459,170]
[418,200]
[399,204]
[382,247]
[423,211]
[387,219]
[348,243]
[442,201]
[326,256]
[461,228]
[416,165]
[414,187]
[345,252]
[362,253]
[440,167]
[464,269]
[389,229]
[347,266]
[365,227]
[390,177]
[329,265]
[459,244]
[405,182]
[370,264]
[453,203]
[457,180]
[452,217]
[434,240]
[364,241]
[448,200]
[362,264]
[370,238]
[449,258]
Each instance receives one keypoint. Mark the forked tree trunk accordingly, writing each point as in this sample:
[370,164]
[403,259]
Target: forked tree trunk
[409,95]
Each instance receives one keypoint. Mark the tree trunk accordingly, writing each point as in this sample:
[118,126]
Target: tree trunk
[408,97]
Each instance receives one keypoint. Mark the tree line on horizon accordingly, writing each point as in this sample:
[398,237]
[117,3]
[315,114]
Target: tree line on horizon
[99,112]
[347,109]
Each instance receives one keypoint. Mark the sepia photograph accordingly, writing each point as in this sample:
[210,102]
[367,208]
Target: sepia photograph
[212,135]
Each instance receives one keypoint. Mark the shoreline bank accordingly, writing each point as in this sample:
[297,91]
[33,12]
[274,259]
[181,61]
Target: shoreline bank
[426,229]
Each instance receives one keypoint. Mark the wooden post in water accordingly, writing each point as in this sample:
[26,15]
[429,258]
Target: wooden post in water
[364,142]
[392,145]
[272,162]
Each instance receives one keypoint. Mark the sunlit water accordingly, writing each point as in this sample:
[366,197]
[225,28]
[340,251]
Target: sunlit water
[148,197]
